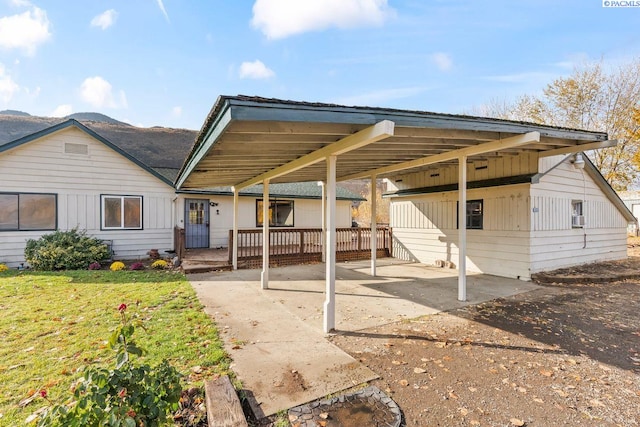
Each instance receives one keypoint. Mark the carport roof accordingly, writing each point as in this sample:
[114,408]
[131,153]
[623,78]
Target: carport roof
[244,137]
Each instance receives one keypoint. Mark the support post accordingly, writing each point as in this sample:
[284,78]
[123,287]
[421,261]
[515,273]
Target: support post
[330,264]
[265,235]
[324,220]
[374,225]
[234,248]
[462,228]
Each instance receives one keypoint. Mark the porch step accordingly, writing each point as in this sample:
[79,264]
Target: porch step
[191,267]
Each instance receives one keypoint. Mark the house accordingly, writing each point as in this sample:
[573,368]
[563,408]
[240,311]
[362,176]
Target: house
[116,182]
[632,200]
[525,214]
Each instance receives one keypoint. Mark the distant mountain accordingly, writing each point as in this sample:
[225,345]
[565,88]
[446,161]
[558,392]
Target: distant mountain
[14,113]
[95,117]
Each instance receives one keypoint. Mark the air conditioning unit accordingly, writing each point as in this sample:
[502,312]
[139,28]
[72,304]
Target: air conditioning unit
[577,221]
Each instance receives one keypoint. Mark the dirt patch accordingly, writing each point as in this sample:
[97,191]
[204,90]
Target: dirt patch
[291,382]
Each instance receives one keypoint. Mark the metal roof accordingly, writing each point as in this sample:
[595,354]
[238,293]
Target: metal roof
[244,137]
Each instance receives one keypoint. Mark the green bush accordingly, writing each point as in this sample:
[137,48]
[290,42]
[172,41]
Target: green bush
[65,250]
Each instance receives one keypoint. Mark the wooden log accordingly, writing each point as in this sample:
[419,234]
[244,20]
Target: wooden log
[223,406]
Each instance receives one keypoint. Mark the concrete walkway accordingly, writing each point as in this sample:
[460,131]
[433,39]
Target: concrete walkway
[275,336]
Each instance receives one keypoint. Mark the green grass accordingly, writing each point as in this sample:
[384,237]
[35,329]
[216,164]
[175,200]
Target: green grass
[52,325]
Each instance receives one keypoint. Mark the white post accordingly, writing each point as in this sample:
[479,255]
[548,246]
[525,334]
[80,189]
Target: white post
[324,220]
[462,228]
[234,248]
[265,234]
[330,275]
[374,224]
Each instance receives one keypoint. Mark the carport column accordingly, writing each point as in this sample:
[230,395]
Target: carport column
[323,221]
[330,265]
[265,234]
[462,228]
[374,224]
[234,248]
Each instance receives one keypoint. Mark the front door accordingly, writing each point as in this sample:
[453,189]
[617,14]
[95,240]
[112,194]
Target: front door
[196,228]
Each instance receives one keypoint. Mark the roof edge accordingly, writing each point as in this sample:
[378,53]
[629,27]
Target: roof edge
[608,190]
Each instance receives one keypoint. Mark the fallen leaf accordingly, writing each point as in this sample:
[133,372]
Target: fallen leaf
[516,422]
[538,400]
[403,383]
[324,415]
[546,372]
[440,344]
[419,371]
[473,389]
[463,411]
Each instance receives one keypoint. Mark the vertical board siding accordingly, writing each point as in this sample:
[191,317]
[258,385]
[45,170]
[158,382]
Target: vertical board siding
[425,230]
[42,166]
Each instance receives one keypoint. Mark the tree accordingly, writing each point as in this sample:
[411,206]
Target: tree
[363,214]
[591,98]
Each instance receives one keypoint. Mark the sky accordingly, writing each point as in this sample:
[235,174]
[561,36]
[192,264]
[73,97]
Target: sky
[164,62]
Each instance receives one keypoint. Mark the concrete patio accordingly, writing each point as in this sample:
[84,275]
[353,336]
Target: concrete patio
[275,336]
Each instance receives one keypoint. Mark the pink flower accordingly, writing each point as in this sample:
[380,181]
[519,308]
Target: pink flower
[131,413]
[122,393]
[122,307]
[43,393]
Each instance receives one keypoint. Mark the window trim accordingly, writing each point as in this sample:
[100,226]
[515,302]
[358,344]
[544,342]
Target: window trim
[293,212]
[575,222]
[467,216]
[103,227]
[18,193]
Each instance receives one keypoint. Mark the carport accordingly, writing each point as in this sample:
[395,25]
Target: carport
[248,140]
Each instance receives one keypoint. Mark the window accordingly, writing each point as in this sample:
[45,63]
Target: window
[280,213]
[121,212]
[475,215]
[577,214]
[28,211]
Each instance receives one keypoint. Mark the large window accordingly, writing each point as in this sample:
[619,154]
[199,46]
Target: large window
[474,215]
[121,212]
[28,211]
[280,213]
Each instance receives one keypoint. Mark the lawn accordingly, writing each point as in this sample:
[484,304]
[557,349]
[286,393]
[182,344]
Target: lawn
[52,325]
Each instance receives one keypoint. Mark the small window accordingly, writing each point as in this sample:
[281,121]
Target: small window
[577,214]
[121,212]
[28,212]
[280,213]
[475,215]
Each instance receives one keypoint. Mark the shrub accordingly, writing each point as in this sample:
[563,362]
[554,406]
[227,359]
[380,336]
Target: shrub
[3,267]
[159,264]
[116,266]
[64,250]
[136,266]
[95,266]
[127,395]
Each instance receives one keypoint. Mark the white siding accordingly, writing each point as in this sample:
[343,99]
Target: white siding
[79,180]
[554,243]
[307,214]
[425,230]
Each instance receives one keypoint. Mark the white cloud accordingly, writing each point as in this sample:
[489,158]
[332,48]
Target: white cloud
[282,18]
[524,77]
[98,93]
[163,10]
[380,97]
[62,110]
[21,3]
[25,31]
[255,70]
[105,19]
[442,60]
[8,87]
[176,111]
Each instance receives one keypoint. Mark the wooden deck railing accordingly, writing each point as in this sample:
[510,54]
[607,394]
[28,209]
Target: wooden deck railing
[289,246]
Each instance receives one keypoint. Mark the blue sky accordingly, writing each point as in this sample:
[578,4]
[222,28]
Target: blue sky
[164,62]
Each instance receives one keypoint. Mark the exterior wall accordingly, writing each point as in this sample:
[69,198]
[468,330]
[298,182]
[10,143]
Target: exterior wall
[79,180]
[555,243]
[307,214]
[425,230]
